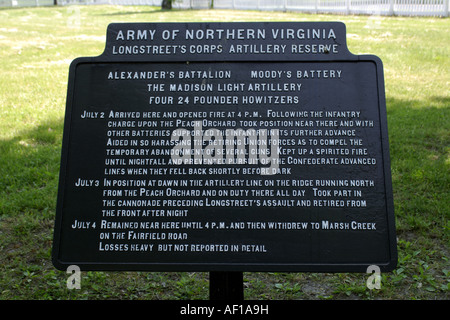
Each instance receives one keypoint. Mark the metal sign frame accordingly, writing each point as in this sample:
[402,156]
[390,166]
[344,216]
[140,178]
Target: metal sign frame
[169,49]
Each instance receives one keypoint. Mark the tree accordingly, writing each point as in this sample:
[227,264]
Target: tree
[166,4]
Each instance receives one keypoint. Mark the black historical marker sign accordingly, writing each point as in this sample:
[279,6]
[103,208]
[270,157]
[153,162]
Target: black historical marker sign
[225,147]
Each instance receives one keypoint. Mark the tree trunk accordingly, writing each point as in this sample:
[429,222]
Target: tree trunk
[166,4]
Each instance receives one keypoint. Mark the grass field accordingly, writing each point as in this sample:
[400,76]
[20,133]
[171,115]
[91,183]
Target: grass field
[36,48]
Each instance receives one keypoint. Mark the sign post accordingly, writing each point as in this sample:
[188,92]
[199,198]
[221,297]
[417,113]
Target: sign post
[225,147]
[226,286]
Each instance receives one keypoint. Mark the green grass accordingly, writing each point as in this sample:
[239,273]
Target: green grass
[36,47]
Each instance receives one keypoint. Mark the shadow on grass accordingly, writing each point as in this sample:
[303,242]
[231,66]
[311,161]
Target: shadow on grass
[29,170]
[419,145]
